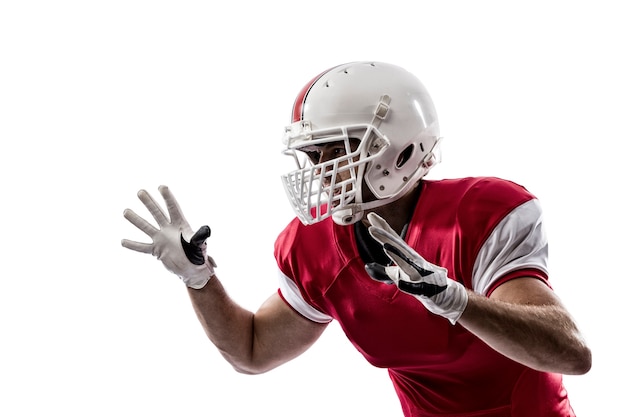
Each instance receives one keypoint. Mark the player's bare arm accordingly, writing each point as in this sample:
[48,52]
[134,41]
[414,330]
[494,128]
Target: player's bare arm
[253,343]
[525,321]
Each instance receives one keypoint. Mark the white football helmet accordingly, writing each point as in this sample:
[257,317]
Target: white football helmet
[386,111]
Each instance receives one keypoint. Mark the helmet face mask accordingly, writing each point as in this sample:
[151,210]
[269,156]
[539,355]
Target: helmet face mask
[384,128]
[318,188]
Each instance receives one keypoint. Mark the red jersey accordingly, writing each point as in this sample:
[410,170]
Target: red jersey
[484,231]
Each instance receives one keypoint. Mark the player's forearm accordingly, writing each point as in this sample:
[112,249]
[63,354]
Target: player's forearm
[229,326]
[543,337]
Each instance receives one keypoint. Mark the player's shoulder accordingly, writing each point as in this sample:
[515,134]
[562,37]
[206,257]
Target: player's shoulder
[484,188]
[479,202]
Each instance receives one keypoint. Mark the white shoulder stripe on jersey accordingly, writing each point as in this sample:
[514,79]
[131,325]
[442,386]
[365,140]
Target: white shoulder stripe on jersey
[518,242]
[293,296]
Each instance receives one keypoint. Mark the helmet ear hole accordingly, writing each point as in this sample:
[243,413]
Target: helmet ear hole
[405,155]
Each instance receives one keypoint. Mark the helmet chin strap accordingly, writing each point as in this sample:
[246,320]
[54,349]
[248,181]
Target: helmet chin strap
[354,213]
[347,216]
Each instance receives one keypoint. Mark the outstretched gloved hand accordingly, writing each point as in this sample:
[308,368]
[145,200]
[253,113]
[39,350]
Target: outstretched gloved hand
[173,243]
[414,275]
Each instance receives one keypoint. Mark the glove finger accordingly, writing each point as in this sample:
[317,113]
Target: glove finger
[399,252]
[415,284]
[381,235]
[137,246]
[382,232]
[140,223]
[378,221]
[153,207]
[384,237]
[421,288]
[409,264]
[200,236]
[176,214]
[378,272]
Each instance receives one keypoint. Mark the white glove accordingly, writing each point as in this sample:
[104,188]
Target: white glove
[414,275]
[182,252]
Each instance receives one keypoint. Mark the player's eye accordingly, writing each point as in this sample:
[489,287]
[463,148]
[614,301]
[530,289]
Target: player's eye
[340,151]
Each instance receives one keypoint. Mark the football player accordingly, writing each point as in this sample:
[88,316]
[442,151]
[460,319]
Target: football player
[443,282]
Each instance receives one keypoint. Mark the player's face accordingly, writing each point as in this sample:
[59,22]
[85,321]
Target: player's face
[328,151]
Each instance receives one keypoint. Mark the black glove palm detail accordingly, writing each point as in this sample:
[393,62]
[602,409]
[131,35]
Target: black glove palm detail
[194,249]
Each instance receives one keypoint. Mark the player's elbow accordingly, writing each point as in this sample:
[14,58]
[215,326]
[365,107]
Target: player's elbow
[246,371]
[575,361]
[583,361]
[251,365]
[251,370]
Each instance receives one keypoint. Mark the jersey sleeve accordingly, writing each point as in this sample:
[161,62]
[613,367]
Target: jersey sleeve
[292,265]
[517,247]
[289,292]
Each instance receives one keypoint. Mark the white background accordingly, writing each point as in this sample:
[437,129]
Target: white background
[99,99]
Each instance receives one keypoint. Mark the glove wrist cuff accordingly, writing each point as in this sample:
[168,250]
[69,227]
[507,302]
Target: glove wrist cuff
[450,303]
[456,301]
[199,279]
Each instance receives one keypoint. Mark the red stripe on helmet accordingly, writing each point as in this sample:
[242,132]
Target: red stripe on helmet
[298,106]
